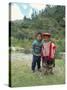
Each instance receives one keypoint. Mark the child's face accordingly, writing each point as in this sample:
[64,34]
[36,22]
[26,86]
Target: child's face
[46,38]
[39,37]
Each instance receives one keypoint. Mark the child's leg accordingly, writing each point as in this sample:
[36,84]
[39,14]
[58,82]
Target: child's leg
[34,63]
[51,70]
[38,62]
[46,68]
[44,65]
[51,67]
[53,62]
[43,62]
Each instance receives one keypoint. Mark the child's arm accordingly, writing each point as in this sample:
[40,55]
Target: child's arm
[54,49]
[42,51]
[33,46]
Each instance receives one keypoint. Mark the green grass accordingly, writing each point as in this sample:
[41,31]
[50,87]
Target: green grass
[21,43]
[21,74]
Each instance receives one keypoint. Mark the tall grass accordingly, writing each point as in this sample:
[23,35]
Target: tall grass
[22,75]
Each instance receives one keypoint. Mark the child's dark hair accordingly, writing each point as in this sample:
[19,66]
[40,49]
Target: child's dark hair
[38,33]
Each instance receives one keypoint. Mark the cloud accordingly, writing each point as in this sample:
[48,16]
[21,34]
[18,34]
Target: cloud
[15,13]
[18,12]
[38,6]
[25,7]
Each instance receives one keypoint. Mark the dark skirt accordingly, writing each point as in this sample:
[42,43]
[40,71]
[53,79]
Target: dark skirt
[48,62]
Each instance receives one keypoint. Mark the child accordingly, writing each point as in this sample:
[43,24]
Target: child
[37,46]
[48,53]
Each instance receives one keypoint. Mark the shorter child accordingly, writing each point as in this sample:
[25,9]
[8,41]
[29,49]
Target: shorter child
[37,46]
[48,53]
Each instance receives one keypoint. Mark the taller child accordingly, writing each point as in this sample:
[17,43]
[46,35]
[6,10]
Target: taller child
[48,53]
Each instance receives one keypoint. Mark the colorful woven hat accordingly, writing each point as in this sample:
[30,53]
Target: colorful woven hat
[46,34]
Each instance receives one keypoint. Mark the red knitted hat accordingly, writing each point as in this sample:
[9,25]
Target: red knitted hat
[46,34]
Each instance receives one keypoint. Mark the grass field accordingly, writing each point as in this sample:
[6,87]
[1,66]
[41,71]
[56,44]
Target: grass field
[21,74]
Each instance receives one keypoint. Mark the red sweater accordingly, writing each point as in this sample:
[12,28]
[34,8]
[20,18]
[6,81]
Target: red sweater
[48,49]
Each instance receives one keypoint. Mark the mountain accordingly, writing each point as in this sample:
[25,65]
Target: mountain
[51,19]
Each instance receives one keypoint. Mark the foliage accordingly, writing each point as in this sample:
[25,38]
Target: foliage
[51,19]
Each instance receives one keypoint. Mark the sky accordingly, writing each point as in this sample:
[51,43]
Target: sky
[19,10]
